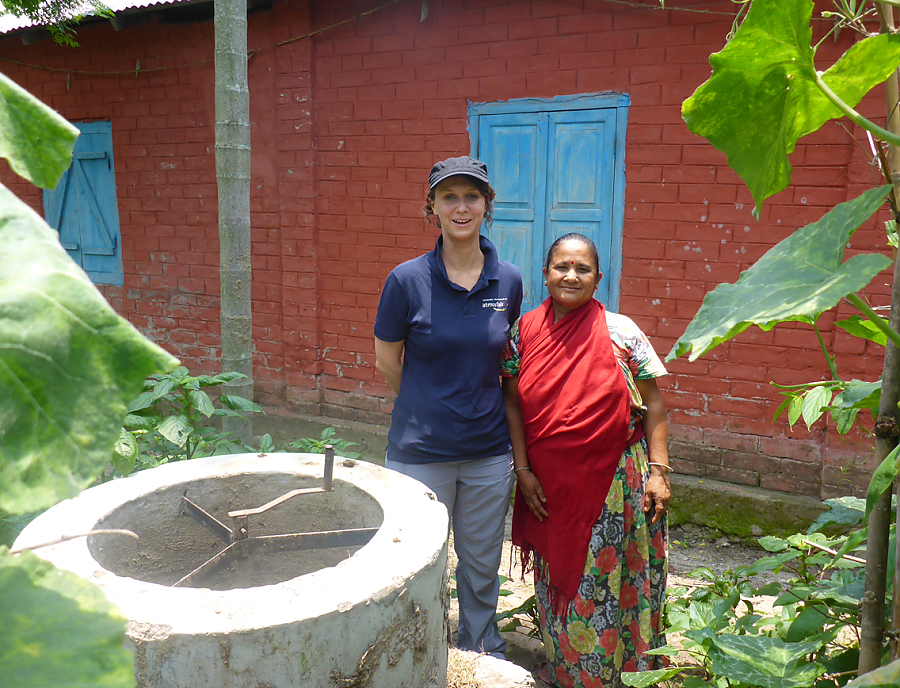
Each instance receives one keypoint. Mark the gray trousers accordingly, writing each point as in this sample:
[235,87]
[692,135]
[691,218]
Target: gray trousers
[476,493]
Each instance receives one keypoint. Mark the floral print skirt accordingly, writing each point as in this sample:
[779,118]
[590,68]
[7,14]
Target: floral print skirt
[615,616]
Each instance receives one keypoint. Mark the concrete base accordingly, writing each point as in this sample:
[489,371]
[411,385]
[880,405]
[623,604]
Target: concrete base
[740,510]
[377,618]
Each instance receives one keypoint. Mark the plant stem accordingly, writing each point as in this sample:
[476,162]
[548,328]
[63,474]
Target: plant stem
[828,358]
[892,3]
[854,116]
[874,318]
[819,383]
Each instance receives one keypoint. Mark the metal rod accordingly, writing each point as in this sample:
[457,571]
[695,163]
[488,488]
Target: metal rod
[205,566]
[293,542]
[329,468]
[218,528]
[275,502]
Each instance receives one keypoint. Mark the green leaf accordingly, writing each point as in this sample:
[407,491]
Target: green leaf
[859,395]
[703,573]
[762,96]
[665,651]
[764,661]
[773,544]
[135,422]
[771,563]
[642,679]
[841,510]
[68,366]
[327,434]
[795,408]
[771,588]
[890,229]
[58,629]
[815,401]
[202,402]
[144,401]
[125,453]
[238,403]
[844,418]
[220,379]
[176,429]
[266,445]
[35,140]
[882,479]
[164,387]
[885,677]
[863,328]
[796,280]
[808,622]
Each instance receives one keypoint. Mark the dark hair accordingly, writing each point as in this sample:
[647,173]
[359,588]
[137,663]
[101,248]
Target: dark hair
[574,236]
[484,189]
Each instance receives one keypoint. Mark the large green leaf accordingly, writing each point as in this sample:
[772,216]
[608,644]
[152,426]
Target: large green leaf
[58,629]
[764,661]
[762,96]
[885,677]
[35,140]
[797,279]
[68,366]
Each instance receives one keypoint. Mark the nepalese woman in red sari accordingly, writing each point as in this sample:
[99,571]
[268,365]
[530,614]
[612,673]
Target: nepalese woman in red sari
[589,435]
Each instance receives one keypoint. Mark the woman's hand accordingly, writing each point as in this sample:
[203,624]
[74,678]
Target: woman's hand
[533,493]
[656,497]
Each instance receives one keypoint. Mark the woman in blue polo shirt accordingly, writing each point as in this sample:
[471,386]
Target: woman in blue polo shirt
[441,326]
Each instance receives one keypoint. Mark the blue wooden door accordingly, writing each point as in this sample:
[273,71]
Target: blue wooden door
[557,167]
[83,207]
[515,150]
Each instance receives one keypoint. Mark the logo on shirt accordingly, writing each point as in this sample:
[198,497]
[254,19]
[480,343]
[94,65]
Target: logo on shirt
[498,304]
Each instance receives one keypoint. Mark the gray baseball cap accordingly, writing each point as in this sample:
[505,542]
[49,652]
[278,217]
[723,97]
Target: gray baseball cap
[453,166]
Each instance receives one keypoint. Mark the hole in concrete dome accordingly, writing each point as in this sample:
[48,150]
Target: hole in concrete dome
[172,543]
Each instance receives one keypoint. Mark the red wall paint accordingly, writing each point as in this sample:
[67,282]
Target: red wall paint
[344,129]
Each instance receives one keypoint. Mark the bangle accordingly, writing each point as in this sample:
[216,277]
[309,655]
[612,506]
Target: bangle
[522,468]
[661,465]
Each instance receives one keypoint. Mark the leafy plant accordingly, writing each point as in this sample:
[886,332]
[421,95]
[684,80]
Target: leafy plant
[68,365]
[522,619]
[809,639]
[766,93]
[314,445]
[168,421]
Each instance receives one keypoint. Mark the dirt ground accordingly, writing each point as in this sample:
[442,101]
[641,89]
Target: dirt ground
[690,547]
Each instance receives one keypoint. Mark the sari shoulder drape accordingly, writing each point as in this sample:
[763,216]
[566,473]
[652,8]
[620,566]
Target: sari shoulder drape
[575,407]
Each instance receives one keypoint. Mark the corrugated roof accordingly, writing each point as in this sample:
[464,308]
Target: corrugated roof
[10,22]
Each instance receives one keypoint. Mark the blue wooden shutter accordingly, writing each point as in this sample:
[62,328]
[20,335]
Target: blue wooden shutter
[557,166]
[83,207]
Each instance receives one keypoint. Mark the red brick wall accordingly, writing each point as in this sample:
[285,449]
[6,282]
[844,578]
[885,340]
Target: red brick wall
[345,128]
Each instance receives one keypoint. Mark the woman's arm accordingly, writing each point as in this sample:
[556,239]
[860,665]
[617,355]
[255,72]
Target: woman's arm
[389,362]
[656,429]
[528,481]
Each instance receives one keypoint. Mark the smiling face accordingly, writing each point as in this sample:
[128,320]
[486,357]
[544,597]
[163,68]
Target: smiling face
[571,276]
[459,207]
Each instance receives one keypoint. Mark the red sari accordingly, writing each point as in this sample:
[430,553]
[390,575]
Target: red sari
[575,406]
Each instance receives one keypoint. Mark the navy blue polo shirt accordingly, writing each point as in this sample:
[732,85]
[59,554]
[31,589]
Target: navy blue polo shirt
[450,406]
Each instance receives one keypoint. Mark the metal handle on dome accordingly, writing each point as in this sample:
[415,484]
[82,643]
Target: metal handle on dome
[329,468]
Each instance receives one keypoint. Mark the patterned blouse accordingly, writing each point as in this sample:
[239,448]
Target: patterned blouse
[635,354]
